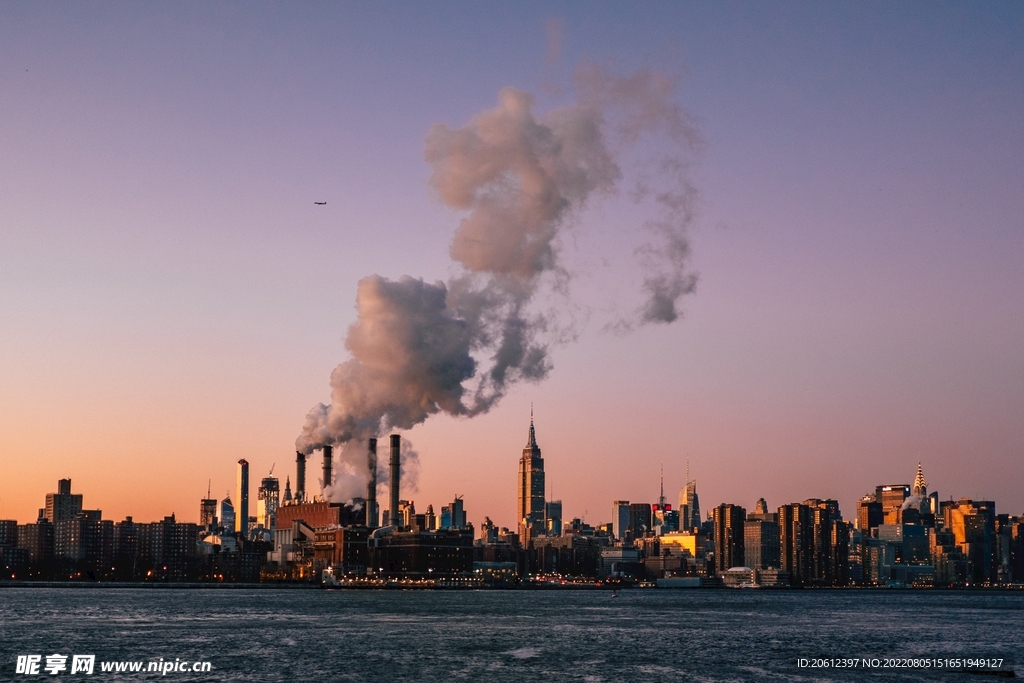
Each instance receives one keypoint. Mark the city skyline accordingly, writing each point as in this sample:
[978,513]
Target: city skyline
[239,499]
[174,300]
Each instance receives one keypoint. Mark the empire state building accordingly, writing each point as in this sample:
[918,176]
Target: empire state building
[531,489]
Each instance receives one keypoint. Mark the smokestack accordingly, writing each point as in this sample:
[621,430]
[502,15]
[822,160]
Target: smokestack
[371,487]
[328,453]
[242,514]
[300,476]
[396,474]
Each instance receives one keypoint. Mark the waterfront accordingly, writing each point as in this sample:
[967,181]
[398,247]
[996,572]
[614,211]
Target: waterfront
[704,635]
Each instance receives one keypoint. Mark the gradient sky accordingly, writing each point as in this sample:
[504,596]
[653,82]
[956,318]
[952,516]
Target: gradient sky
[171,300]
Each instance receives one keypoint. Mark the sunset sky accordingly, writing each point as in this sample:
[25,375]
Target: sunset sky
[171,299]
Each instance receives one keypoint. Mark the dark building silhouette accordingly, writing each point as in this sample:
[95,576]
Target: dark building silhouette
[761,538]
[640,519]
[973,523]
[530,494]
[729,536]
[796,544]
[421,554]
[63,504]
[869,513]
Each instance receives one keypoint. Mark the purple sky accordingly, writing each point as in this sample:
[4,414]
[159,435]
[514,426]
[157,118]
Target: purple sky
[171,300]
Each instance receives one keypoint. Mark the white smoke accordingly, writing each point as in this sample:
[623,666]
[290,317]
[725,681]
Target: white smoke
[418,348]
[349,473]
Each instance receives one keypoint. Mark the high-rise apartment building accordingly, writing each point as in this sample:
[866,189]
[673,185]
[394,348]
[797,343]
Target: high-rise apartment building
[729,536]
[814,543]
[761,538]
[531,489]
[796,542]
[63,504]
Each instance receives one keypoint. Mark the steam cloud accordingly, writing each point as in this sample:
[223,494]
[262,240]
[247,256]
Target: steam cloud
[419,348]
[349,477]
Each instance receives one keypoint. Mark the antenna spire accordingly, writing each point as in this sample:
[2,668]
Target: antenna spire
[661,497]
[532,440]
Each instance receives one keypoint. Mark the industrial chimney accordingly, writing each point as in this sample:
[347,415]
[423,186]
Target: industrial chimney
[242,516]
[300,476]
[328,454]
[371,487]
[396,473]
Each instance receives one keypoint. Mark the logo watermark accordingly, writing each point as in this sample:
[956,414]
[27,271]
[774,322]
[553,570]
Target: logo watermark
[41,665]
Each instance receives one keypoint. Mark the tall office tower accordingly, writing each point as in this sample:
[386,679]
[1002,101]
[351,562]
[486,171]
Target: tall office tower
[620,517]
[458,513]
[268,499]
[729,538]
[920,485]
[689,506]
[891,497]
[973,523]
[869,513]
[207,509]
[664,519]
[242,496]
[553,518]
[796,542]
[641,519]
[531,489]
[287,491]
[227,514]
[929,501]
[300,477]
[429,518]
[63,504]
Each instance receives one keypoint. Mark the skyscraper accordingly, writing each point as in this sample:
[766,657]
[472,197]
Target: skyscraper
[796,542]
[689,506]
[920,485]
[620,517]
[268,499]
[761,538]
[227,514]
[531,489]
[207,509]
[729,538]
[242,496]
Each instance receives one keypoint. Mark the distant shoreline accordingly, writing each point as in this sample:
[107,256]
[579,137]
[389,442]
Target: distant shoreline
[584,587]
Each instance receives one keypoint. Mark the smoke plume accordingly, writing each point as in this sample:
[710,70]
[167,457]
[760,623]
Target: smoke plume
[419,348]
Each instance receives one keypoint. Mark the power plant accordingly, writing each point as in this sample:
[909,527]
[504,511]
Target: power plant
[328,455]
[396,475]
[300,476]
[371,486]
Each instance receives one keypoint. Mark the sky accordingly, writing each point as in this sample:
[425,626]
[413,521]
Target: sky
[172,300]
